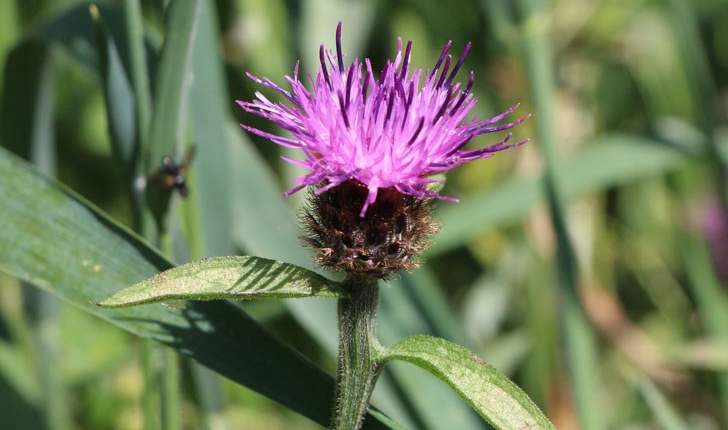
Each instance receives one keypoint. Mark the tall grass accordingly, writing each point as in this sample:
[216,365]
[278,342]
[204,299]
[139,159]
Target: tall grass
[588,265]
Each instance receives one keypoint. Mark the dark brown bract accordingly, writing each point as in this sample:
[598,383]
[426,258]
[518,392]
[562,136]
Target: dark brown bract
[396,229]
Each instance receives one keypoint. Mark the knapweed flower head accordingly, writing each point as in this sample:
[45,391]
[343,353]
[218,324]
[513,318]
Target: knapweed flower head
[384,136]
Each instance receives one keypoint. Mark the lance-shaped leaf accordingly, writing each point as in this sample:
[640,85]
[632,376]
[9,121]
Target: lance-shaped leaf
[484,388]
[172,81]
[54,239]
[118,96]
[234,277]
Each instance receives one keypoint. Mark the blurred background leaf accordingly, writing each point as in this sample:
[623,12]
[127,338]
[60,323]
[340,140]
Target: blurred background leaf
[639,118]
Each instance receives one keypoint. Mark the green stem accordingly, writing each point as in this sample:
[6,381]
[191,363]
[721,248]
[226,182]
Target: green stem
[358,348]
[579,341]
[143,221]
[149,399]
[171,394]
[139,70]
[171,385]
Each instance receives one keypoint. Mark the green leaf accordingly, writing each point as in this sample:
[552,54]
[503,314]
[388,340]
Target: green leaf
[9,31]
[710,296]
[404,311]
[488,391]
[171,91]
[16,370]
[73,31]
[233,277]
[57,241]
[138,65]
[118,95]
[666,416]
[172,81]
[210,103]
[26,109]
[17,411]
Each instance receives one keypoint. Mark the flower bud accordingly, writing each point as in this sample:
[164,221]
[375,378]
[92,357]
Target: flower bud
[395,230]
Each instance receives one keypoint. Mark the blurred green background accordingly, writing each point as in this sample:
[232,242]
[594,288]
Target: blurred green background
[609,298]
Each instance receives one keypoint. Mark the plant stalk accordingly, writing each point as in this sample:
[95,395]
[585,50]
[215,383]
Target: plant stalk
[579,341]
[171,391]
[150,395]
[358,349]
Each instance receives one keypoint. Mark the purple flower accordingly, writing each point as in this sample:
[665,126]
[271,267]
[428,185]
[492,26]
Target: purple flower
[389,132]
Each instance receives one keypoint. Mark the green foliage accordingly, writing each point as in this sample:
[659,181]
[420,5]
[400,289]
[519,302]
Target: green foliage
[487,390]
[67,233]
[627,111]
[217,278]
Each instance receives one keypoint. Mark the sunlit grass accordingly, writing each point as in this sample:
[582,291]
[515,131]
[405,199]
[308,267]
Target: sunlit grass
[637,117]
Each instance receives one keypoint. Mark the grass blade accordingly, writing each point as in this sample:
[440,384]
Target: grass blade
[120,109]
[27,101]
[138,66]
[172,82]
[710,298]
[210,117]
[664,413]
[171,91]
[579,343]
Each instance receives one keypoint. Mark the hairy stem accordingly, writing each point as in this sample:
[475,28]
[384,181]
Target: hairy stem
[358,347]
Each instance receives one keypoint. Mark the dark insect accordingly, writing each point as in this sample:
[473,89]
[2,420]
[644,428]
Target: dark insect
[173,175]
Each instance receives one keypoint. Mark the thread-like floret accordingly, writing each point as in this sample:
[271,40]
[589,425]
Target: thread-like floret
[386,132]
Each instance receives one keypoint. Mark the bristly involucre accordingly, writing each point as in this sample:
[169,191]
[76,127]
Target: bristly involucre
[389,239]
[389,132]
